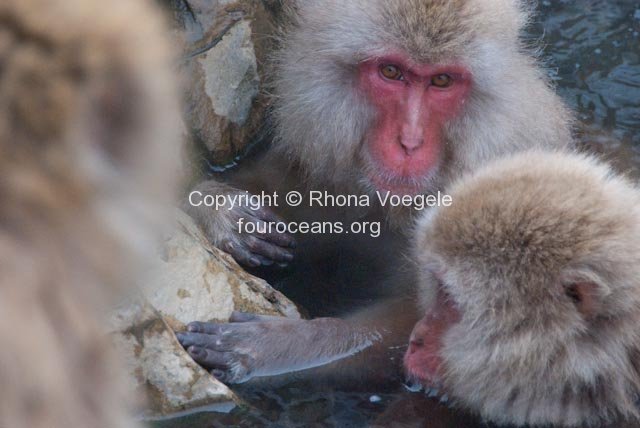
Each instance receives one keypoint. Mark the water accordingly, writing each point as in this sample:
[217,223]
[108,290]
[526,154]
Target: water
[592,50]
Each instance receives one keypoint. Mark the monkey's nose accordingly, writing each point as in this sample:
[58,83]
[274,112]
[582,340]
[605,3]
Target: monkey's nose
[410,144]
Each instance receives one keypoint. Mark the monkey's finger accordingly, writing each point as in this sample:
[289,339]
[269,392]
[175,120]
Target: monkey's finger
[198,339]
[266,229]
[268,215]
[221,375]
[269,250]
[205,327]
[271,235]
[241,254]
[208,358]
[237,316]
[263,260]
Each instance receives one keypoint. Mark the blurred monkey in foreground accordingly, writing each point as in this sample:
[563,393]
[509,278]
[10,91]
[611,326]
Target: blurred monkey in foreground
[88,121]
[532,293]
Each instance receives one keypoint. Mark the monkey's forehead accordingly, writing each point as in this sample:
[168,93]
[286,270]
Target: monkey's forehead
[428,31]
[540,214]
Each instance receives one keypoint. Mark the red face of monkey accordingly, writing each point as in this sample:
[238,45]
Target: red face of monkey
[423,359]
[412,104]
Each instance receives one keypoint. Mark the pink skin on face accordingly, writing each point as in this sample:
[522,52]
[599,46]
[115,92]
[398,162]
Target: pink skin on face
[423,360]
[406,140]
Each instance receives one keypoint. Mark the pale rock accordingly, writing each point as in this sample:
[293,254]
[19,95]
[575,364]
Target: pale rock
[191,280]
[196,281]
[225,44]
[159,368]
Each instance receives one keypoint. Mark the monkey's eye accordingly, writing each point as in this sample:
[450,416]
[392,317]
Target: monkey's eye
[391,72]
[441,81]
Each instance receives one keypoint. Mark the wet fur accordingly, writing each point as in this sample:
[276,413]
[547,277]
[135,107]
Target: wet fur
[520,230]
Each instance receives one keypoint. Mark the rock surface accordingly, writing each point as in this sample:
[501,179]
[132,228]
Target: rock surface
[191,281]
[196,281]
[160,369]
[224,48]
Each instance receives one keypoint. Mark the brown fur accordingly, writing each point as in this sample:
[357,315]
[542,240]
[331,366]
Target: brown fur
[520,231]
[87,119]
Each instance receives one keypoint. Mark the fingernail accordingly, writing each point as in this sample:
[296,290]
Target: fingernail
[193,351]
[217,373]
[192,328]
[254,261]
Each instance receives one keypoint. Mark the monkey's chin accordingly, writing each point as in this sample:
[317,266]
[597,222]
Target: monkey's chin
[401,186]
[419,378]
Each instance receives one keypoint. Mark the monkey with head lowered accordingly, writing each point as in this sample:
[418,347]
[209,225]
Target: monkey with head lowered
[400,96]
[89,124]
[531,293]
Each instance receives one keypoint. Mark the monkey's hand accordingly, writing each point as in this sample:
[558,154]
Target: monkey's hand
[223,228]
[254,345]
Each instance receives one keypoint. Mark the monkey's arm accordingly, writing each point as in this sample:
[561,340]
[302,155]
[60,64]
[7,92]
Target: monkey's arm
[251,346]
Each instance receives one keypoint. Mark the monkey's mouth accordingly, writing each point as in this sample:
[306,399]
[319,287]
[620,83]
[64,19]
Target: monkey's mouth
[422,371]
[400,185]
[396,187]
[379,179]
[436,390]
[419,376]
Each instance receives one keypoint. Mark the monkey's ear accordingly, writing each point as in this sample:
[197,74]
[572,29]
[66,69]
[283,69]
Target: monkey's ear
[585,290]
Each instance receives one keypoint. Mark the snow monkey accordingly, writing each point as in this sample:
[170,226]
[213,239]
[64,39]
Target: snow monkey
[88,117]
[531,293]
[398,96]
